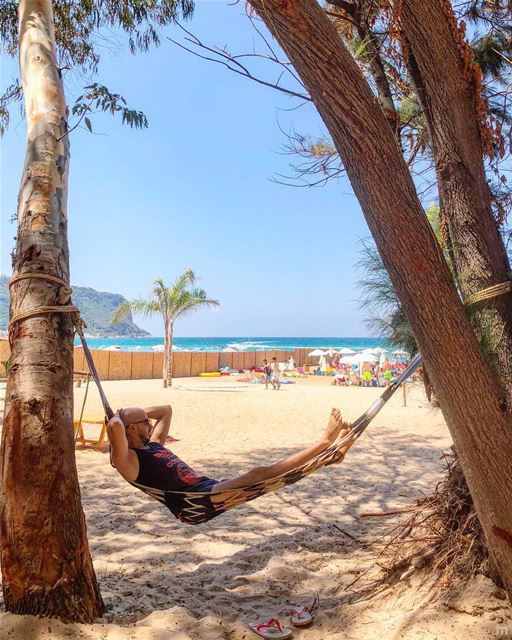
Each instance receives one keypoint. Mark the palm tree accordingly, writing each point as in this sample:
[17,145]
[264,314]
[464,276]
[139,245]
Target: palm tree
[171,303]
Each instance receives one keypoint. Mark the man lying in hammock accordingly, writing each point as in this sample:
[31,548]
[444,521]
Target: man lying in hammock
[137,437]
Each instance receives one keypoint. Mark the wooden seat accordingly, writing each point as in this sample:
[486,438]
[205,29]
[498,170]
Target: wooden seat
[80,436]
[80,376]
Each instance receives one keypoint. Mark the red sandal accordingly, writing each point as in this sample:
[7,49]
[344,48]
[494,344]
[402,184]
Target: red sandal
[271,629]
[302,616]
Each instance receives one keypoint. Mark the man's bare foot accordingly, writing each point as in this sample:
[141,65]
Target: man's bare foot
[346,430]
[333,426]
[170,440]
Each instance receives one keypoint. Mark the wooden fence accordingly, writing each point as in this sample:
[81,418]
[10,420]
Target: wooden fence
[138,365]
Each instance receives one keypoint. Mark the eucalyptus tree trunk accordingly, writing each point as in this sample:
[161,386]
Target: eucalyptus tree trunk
[46,564]
[171,355]
[468,393]
[459,140]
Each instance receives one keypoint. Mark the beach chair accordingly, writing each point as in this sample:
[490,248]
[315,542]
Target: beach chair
[95,422]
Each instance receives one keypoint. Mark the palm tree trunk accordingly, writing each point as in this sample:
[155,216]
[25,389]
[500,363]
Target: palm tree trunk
[468,393]
[46,565]
[167,348]
[171,356]
[456,139]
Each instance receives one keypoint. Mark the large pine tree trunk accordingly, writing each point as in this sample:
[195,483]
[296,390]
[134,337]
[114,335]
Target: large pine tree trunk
[468,393]
[46,565]
[452,115]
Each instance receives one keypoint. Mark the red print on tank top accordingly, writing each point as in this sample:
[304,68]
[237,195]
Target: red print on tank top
[183,471]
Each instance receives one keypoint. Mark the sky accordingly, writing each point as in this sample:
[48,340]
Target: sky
[195,190]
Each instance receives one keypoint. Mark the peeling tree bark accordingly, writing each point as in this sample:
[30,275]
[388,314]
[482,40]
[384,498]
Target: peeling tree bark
[450,110]
[46,565]
[381,181]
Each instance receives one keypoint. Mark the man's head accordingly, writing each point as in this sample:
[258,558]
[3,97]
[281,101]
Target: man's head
[138,426]
[264,361]
[274,359]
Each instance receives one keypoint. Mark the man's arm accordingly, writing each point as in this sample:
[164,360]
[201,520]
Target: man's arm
[123,459]
[162,416]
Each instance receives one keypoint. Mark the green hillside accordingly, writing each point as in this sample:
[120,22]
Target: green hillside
[96,308]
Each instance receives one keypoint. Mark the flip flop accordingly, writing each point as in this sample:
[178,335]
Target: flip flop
[303,616]
[271,629]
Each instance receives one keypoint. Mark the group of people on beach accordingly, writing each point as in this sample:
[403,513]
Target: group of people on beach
[271,374]
[368,375]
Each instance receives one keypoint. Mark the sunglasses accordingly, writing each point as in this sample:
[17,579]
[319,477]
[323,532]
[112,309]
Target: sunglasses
[146,420]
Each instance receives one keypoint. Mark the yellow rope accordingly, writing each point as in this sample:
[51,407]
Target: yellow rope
[38,276]
[490,292]
[23,315]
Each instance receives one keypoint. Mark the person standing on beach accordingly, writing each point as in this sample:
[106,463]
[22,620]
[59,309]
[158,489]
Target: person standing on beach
[275,374]
[267,374]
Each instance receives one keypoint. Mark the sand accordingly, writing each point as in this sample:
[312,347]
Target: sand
[162,580]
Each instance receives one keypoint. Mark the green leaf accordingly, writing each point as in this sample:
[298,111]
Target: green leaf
[88,124]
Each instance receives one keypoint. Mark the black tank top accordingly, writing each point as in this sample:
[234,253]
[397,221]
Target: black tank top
[160,468]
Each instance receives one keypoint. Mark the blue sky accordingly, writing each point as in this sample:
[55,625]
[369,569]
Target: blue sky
[194,190]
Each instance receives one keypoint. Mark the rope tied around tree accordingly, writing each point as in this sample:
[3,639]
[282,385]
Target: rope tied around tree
[490,292]
[64,296]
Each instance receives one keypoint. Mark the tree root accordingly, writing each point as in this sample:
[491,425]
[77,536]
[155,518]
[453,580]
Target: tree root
[442,539]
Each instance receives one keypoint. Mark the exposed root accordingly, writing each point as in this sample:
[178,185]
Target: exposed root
[441,540]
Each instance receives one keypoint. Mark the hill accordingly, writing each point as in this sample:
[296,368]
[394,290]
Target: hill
[96,308]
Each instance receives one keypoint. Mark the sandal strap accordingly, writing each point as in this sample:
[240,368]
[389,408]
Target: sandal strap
[271,624]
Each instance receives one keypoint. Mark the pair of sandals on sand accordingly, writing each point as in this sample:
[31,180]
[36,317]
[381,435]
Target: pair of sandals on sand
[300,616]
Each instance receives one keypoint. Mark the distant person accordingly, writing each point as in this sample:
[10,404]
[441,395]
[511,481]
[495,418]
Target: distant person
[366,374]
[291,364]
[387,372]
[267,374]
[275,374]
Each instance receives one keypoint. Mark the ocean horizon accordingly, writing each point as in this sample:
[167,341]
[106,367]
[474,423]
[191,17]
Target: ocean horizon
[236,343]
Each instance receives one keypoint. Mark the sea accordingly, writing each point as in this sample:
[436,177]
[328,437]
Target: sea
[235,343]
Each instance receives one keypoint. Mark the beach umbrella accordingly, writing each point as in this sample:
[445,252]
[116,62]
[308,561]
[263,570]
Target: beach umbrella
[365,356]
[331,352]
[346,351]
[316,352]
[323,363]
[383,357]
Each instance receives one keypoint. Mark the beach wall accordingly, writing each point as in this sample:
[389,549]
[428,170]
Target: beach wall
[138,365]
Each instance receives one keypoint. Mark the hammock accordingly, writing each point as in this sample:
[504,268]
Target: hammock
[200,507]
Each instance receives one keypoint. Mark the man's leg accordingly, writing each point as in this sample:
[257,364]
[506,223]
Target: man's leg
[335,427]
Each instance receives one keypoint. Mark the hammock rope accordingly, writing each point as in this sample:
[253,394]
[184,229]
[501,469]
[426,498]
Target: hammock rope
[195,510]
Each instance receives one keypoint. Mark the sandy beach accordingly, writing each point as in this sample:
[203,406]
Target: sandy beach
[162,580]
